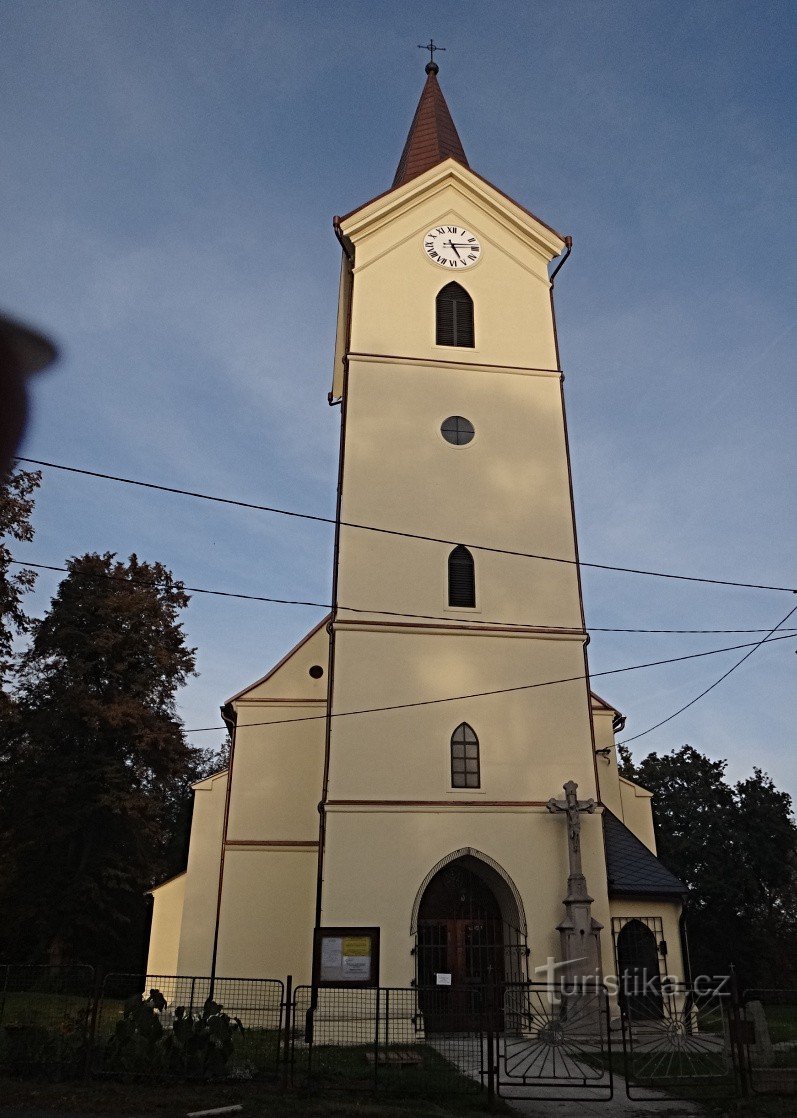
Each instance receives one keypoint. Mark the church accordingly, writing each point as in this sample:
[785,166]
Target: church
[425,791]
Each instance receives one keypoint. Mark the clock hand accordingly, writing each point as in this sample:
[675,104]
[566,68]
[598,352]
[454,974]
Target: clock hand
[452,245]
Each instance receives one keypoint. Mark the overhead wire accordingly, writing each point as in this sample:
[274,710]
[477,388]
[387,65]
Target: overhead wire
[496,691]
[405,535]
[758,644]
[386,612]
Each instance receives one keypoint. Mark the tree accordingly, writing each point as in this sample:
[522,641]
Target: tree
[735,848]
[16,506]
[99,766]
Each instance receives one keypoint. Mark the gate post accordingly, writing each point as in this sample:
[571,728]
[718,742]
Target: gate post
[736,1030]
[288,1008]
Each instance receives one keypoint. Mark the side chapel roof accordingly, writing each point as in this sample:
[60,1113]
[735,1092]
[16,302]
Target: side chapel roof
[631,869]
[433,136]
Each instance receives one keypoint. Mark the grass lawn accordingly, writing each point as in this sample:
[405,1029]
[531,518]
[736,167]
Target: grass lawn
[167,1099]
[782,1021]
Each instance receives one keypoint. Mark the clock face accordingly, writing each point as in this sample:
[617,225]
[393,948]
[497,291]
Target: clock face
[452,247]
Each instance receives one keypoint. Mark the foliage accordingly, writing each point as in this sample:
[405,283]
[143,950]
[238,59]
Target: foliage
[16,506]
[98,767]
[195,1044]
[735,847]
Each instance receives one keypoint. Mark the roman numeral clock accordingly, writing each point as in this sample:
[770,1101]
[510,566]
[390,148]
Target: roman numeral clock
[451,246]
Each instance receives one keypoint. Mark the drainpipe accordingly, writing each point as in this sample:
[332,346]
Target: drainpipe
[230,718]
[347,247]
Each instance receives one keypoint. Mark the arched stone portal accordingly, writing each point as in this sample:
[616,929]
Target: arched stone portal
[470,937]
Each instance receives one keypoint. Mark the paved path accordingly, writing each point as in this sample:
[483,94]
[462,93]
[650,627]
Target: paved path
[466,1053]
[618,1104]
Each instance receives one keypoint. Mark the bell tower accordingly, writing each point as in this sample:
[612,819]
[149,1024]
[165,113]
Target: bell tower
[449,628]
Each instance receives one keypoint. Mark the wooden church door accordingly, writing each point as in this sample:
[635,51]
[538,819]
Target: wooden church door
[460,950]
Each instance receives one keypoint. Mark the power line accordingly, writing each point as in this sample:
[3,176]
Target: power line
[497,691]
[405,535]
[716,683]
[387,612]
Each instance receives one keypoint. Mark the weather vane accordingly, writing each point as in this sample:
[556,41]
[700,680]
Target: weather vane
[431,46]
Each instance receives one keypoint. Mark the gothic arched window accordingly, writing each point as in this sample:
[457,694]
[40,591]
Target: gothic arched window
[454,316]
[465,758]
[461,578]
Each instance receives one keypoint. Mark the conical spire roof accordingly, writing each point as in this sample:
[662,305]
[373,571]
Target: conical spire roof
[433,136]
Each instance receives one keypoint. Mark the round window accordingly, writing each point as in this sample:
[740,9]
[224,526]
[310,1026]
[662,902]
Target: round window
[316,671]
[457,430]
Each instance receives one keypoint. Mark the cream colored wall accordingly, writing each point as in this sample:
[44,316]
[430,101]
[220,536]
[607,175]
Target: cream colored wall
[631,803]
[267,918]
[531,741]
[608,775]
[669,912]
[637,804]
[277,770]
[508,488]
[167,918]
[202,876]
[378,859]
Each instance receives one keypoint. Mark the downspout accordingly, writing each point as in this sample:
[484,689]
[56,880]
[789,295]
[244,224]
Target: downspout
[322,813]
[231,720]
[554,274]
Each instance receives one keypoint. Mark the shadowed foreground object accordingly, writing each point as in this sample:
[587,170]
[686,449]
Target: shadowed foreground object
[23,352]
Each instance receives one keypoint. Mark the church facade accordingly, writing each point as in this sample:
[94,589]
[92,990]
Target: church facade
[387,816]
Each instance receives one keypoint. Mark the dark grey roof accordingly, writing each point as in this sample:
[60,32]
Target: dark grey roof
[631,868]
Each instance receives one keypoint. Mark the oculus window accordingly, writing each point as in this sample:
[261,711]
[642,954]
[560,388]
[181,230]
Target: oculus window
[457,430]
[465,758]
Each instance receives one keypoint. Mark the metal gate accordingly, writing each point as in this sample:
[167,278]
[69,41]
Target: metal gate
[555,1043]
[678,1040]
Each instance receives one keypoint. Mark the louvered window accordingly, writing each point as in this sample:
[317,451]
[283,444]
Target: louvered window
[454,316]
[461,578]
[465,758]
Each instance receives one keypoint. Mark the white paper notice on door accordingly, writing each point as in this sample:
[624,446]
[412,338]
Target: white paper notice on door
[443,979]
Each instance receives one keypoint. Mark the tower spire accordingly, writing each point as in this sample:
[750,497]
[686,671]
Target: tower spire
[433,136]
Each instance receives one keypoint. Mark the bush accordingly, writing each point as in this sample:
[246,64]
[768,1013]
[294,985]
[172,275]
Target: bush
[198,1045]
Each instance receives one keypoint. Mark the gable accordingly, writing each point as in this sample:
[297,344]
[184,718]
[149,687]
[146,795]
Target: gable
[428,199]
[290,678]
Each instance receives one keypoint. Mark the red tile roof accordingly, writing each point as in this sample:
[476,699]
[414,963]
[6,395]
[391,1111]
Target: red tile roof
[433,136]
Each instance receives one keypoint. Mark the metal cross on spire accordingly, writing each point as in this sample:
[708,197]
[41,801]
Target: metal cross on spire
[431,46]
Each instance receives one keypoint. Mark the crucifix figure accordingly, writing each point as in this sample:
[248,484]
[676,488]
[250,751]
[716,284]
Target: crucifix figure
[573,808]
[580,932]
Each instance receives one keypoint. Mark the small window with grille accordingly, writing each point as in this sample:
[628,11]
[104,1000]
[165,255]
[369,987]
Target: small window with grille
[465,758]
[461,578]
[454,308]
[457,430]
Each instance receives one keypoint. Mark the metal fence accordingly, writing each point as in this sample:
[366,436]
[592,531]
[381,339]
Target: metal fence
[188,1026]
[678,1041]
[426,1042]
[513,1039]
[555,1042]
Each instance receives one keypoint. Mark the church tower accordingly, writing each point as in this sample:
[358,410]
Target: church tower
[454,447]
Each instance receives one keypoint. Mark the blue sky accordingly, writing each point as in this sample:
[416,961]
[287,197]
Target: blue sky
[170,175]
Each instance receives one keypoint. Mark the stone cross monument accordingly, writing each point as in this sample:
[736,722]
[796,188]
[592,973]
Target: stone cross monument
[579,931]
